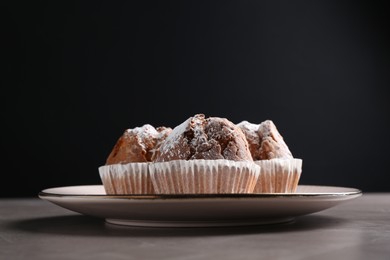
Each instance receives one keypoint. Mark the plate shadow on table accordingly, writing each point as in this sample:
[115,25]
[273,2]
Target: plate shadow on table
[80,225]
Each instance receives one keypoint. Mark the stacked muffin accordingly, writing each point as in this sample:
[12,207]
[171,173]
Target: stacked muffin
[201,156]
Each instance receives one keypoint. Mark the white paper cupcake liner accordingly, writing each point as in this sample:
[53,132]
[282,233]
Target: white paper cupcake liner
[131,178]
[204,176]
[278,175]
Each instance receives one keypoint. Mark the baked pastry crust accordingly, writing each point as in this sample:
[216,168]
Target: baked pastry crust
[265,141]
[138,145]
[205,138]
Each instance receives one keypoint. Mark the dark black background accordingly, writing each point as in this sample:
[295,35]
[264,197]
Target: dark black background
[77,74]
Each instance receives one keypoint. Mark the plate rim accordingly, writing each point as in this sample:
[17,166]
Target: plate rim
[351,192]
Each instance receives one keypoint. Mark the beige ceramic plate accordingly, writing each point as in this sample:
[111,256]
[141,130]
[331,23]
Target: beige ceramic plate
[197,210]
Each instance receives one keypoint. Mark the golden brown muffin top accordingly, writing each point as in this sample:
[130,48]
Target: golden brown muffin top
[265,141]
[138,145]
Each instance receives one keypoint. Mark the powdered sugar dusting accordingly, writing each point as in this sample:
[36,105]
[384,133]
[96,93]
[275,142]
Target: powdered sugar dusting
[272,144]
[144,134]
[251,133]
[173,138]
[197,126]
[248,126]
[266,128]
[264,140]
[145,131]
[201,138]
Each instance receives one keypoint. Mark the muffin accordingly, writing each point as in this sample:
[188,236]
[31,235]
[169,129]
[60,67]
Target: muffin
[126,170]
[204,155]
[280,171]
[138,145]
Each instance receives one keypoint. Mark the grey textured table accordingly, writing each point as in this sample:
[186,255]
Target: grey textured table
[35,229]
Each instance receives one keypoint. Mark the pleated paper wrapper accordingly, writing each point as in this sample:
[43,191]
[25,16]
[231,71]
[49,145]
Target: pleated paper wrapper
[131,178]
[204,177]
[278,175]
